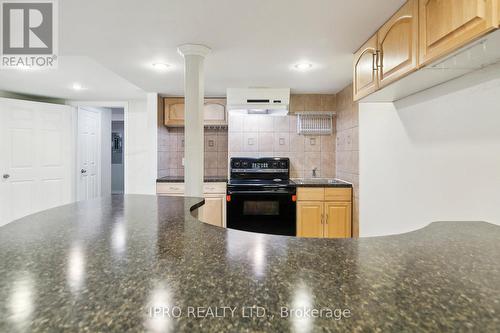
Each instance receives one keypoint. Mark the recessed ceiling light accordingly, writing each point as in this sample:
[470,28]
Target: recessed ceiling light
[77,86]
[303,66]
[161,66]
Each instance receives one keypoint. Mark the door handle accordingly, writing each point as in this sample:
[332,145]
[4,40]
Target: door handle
[83,171]
[6,176]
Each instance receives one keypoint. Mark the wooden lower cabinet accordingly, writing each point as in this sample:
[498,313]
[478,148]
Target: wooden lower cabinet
[324,213]
[338,220]
[310,219]
[212,211]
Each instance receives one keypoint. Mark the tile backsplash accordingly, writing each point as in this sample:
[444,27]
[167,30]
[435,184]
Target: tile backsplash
[276,136]
[171,152]
[348,147]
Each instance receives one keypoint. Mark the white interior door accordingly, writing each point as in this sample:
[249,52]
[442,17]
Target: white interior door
[88,154]
[36,163]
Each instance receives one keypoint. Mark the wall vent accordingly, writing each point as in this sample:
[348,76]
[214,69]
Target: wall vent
[315,123]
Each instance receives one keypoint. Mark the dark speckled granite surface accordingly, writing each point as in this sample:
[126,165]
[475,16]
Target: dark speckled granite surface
[99,266]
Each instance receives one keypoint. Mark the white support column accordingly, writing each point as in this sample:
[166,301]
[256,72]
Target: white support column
[194,80]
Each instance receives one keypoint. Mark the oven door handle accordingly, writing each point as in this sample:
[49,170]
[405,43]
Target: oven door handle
[259,192]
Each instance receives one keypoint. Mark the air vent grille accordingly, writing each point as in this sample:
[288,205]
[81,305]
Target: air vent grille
[315,123]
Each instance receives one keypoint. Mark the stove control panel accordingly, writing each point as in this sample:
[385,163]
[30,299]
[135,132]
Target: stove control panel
[265,163]
[244,167]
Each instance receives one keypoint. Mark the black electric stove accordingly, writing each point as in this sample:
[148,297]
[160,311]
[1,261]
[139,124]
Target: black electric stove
[260,196]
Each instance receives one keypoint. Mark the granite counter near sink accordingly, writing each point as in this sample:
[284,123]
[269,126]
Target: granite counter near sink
[104,265]
[321,182]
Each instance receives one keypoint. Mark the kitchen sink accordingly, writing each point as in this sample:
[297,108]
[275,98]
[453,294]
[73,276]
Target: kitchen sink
[317,181]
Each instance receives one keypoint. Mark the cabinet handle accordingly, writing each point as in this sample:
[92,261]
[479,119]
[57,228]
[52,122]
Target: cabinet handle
[379,59]
[6,176]
[374,61]
[321,218]
[326,219]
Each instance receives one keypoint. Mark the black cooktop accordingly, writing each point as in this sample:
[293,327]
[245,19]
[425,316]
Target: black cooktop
[261,182]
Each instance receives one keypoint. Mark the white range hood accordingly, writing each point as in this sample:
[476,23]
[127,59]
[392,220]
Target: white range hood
[266,101]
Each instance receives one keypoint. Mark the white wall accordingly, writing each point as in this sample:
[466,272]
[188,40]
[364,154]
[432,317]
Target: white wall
[431,157]
[141,145]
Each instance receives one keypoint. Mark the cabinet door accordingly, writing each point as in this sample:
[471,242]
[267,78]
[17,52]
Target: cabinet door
[398,44]
[365,73]
[310,219]
[215,112]
[338,219]
[211,211]
[446,25]
[174,111]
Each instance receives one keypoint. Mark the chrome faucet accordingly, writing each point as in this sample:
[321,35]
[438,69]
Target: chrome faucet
[314,172]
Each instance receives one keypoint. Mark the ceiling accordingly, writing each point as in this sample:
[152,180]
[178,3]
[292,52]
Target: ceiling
[254,44]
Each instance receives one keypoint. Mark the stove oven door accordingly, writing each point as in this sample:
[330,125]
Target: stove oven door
[268,211]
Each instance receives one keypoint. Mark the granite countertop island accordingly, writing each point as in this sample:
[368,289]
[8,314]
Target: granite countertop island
[144,263]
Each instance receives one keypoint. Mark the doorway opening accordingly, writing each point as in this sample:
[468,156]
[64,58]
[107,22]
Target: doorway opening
[100,151]
[117,144]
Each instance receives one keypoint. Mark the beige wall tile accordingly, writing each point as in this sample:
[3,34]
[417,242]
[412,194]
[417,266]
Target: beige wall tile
[210,160]
[208,172]
[250,141]
[235,123]
[221,160]
[222,142]
[211,142]
[251,123]
[297,142]
[235,140]
[327,143]
[327,164]
[266,141]
[282,142]
[281,124]
[312,160]
[292,124]
[266,124]
[312,143]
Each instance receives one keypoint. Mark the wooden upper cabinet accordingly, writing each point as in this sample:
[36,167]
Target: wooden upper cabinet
[446,25]
[174,111]
[214,111]
[365,73]
[398,44]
